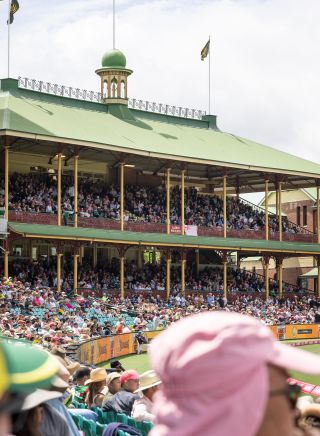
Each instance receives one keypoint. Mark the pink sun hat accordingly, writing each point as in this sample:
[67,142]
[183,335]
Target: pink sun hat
[213,368]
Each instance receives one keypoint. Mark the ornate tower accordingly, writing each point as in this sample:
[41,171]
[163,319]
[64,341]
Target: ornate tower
[114,76]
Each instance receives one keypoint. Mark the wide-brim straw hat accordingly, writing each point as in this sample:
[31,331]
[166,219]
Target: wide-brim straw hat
[38,397]
[97,375]
[148,380]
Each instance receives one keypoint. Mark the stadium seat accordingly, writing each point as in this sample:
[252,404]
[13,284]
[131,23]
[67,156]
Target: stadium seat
[100,428]
[89,428]
[78,420]
[121,417]
[132,422]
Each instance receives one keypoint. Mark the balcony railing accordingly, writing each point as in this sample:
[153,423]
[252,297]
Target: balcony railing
[83,94]
[107,224]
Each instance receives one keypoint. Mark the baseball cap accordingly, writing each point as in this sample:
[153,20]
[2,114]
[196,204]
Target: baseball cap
[112,376]
[130,374]
[219,360]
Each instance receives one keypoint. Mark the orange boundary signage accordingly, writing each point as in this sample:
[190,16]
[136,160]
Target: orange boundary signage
[103,349]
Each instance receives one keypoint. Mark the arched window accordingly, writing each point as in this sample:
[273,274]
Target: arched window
[114,88]
[123,89]
[105,89]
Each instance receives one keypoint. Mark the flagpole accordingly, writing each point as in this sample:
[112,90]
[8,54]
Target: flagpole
[209,76]
[114,24]
[8,24]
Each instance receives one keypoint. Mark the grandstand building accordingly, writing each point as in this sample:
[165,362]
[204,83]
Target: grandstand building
[73,137]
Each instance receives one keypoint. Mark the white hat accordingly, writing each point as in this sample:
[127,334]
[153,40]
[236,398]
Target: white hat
[147,380]
[38,397]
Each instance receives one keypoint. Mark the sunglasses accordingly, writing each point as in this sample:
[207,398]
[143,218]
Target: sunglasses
[291,392]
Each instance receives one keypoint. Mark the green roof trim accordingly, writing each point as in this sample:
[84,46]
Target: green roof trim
[158,239]
[50,117]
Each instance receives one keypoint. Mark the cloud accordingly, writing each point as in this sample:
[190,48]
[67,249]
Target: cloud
[265,58]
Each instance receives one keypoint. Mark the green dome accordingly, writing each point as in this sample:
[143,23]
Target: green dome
[114,59]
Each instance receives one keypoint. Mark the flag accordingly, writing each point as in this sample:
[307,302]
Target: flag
[205,51]
[14,7]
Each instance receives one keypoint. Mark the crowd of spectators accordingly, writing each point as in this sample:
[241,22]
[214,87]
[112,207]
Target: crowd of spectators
[41,314]
[36,193]
[151,277]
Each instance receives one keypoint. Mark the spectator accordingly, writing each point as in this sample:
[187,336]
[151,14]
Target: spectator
[122,401]
[113,385]
[97,388]
[148,385]
[240,372]
[33,420]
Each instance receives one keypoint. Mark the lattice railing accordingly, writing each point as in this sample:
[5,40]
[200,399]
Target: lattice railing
[83,94]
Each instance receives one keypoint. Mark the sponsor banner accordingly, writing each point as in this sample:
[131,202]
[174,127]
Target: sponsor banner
[174,229]
[295,331]
[103,349]
[191,230]
[301,331]
[188,230]
[84,354]
[151,335]
[123,344]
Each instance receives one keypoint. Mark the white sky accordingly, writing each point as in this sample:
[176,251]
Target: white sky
[265,57]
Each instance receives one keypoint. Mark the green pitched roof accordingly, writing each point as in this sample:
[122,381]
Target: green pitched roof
[158,239]
[52,117]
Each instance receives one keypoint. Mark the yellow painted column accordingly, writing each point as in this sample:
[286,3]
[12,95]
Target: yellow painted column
[277,203]
[76,159]
[59,255]
[59,187]
[122,275]
[168,201]
[182,201]
[318,286]
[280,274]
[81,254]
[75,272]
[95,255]
[267,276]
[225,275]
[6,262]
[266,206]
[122,196]
[6,208]
[280,214]
[318,214]
[168,275]
[224,206]
[183,272]
[198,260]
[6,182]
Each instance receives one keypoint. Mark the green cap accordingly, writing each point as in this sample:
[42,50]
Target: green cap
[24,367]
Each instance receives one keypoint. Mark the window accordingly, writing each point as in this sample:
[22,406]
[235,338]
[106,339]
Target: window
[305,216]
[298,215]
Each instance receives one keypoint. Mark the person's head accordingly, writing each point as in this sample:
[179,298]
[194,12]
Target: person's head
[148,384]
[28,420]
[95,383]
[129,380]
[18,361]
[113,382]
[81,376]
[223,364]
[116,364]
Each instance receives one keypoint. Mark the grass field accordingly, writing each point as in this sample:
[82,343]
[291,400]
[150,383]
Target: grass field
[141,363]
